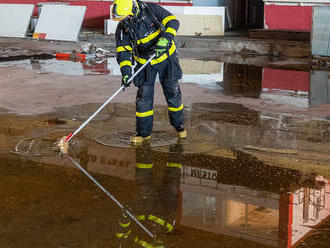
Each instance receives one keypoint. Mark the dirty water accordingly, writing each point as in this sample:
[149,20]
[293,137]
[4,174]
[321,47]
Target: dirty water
[293,87]
[242,179]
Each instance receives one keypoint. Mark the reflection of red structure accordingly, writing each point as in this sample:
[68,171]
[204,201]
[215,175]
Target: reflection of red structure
[285,220]
[286,80]
[89,68]
[99,69]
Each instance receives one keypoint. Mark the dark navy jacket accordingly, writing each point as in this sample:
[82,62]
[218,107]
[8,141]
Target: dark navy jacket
[137,37]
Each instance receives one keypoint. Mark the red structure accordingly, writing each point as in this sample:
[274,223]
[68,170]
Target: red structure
[96,12]
[281,17]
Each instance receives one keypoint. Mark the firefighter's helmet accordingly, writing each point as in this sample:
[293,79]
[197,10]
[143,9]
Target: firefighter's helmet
[123,8]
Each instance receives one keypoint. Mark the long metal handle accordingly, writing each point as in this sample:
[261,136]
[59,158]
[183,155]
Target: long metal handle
[70,136]
[110,196]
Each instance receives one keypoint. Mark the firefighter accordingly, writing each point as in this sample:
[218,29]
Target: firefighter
[145,29]
[157,200]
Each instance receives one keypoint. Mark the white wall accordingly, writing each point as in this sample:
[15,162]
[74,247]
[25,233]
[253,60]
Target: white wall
[194,20]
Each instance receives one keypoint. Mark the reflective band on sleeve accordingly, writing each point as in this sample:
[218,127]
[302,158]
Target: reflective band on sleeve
[145,114]
[124,224]
[144,166]
[167,19]
[158,60]
[174,165]
[140,60]
[175,109]
[140,217]
[171,30]
[124,49]
[149,37]
[156,219]
[145,244]
[126,62]
[123,235]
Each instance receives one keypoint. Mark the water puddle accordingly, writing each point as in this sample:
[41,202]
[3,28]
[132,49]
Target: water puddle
[67,67]
[297,88]
[236,182]
[180,198]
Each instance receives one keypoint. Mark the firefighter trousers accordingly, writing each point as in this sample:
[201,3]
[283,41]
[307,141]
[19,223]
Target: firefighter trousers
[169,72]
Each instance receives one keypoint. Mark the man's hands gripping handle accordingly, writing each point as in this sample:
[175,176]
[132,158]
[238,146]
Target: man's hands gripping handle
[128,77]
[125,80]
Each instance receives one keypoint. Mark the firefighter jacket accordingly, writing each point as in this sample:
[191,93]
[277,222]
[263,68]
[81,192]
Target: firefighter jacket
[136,37]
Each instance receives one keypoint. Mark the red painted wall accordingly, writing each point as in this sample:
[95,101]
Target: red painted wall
[298,18]
[96,12]
[286,80]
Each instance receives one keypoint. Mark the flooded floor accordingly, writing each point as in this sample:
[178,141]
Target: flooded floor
[253,172]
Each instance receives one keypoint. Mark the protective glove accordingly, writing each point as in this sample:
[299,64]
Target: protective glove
[124,80]
[162,46]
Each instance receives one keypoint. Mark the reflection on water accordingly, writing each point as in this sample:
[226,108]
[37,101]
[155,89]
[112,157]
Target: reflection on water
[182,198]
[89,67]
[297,88]
[244,80]
[237,197]
[243,178]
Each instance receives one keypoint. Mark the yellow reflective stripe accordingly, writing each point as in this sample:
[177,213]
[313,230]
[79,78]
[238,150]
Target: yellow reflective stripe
[144,166]
[167,19]
[156,219]
[140,217]
[124,224]
[169,227]
[164,56]
[123,235]
[119,235]
[143,243]
[124,49]
[145,114]
[175,109]
[158,60]
[171,30]
[126,62]
[174,165]
[140,60]
[149,37]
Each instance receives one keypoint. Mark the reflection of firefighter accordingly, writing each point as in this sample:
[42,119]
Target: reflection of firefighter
[155,206]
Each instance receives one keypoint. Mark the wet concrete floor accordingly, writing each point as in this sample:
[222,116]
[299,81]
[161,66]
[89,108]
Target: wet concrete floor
[254,171]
